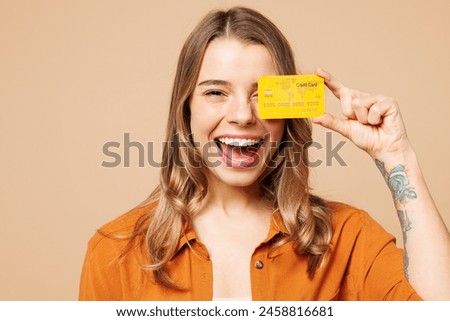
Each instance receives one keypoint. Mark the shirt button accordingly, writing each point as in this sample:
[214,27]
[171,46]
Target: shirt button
[259,265]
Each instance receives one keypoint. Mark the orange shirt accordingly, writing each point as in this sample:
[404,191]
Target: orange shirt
[364,264]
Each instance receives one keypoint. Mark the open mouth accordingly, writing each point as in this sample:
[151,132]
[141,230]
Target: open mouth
[240,152]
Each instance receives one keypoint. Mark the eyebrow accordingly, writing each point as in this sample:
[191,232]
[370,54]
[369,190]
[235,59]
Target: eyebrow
[214,82]
[217,82]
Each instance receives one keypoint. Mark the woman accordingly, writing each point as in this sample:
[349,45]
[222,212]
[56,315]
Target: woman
[233,219]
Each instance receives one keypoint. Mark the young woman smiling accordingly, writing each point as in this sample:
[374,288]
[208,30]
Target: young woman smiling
[241,223]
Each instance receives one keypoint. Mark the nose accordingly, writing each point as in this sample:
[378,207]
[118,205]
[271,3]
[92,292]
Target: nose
[241,111]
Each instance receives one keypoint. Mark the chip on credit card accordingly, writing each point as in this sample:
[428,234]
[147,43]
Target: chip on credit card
[290,96]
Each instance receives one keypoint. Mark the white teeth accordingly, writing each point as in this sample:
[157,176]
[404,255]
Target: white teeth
[237,142]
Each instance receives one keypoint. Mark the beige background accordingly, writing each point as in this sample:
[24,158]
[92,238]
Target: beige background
[77,74]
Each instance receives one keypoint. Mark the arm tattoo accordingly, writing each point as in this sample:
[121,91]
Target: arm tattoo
[398,183]
[406,226]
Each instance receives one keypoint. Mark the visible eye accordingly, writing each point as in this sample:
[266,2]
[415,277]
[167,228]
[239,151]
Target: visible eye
[214,93]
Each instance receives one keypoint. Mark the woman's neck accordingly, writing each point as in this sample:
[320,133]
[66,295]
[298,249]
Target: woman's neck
[233,200]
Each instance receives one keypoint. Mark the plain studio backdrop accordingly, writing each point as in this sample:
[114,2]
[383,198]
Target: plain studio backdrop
[75,75]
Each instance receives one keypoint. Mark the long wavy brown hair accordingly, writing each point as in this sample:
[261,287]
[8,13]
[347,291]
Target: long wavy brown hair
[183,184]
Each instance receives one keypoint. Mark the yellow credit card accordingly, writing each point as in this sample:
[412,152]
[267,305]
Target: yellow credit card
[291,96]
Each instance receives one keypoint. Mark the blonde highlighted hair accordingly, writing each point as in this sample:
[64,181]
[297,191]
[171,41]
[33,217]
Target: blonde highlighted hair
[183,184]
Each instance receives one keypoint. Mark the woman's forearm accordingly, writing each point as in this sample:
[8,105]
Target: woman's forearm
[425,236]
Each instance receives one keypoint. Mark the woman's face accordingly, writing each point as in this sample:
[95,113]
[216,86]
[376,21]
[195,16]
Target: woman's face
[234,142]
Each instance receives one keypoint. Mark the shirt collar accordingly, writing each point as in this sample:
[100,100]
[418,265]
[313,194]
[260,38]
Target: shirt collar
[276,227]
